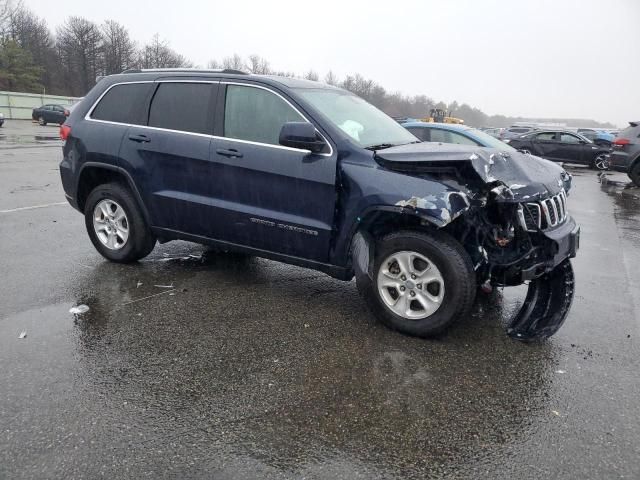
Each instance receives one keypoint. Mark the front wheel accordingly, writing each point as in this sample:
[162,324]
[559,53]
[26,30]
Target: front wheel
[41,121]
[421,283]
[600,162]
[116,225]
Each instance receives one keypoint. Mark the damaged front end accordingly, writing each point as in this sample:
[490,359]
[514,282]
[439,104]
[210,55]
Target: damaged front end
[516,226]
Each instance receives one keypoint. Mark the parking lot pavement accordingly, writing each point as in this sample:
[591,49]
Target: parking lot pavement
[193,364]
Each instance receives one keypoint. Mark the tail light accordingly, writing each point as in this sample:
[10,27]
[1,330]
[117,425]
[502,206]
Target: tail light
[621,142]
[65,131]
[66,112]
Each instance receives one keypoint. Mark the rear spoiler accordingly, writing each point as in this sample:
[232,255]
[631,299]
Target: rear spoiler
[635,124]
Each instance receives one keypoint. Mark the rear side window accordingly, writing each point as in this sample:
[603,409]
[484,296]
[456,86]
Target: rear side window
[256,115]
[123,104]
[546,137]
[421,133]
[182,106]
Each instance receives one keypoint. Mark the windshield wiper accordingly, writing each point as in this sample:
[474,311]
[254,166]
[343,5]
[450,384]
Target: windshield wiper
[380,146]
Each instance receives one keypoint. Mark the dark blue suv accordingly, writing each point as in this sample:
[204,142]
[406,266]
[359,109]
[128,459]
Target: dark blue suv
[312,175]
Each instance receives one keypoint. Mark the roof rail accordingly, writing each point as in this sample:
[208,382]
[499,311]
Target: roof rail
[186,70]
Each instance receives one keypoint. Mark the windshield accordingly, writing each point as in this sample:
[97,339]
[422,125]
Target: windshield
[364,123]
[489,141]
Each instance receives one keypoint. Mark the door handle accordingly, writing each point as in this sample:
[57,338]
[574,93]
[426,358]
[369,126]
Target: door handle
[231,152]
[139,138]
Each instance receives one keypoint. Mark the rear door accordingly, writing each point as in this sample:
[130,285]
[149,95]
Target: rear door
[545,145]
[571,148]
[169,157]
[271,197]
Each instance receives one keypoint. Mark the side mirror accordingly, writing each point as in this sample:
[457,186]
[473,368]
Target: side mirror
[301,135]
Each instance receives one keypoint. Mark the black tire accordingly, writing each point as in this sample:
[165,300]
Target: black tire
[140,241]
[454,265]
[41,121]
[597,162]
[634,173]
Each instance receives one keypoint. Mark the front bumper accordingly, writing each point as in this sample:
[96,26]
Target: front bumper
[561,242]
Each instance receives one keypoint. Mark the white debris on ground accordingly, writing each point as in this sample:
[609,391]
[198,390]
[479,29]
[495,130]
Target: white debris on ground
[23,334]
[79,309]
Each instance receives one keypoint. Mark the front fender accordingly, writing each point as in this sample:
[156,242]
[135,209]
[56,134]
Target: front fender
[367,190]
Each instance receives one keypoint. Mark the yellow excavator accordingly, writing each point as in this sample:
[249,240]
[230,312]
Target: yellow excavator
[438,115]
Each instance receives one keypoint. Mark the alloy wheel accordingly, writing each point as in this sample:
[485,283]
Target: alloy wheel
[111,224]
[410,285]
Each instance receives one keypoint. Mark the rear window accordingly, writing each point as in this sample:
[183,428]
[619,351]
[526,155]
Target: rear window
[123,104]
[630,132]
[182,106]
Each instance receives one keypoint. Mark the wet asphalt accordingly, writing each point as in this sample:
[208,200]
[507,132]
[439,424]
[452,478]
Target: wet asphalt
[193,364]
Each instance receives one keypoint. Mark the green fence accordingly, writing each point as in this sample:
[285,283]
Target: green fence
[18,105]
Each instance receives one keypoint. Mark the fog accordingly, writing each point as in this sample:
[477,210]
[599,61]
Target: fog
[534,58]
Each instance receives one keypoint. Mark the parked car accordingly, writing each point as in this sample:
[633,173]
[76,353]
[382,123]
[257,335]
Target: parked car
[599,137]
[625,156]
[312,175]
[516,131]
[494,132]
[50,114]
[458,134]
[563,146]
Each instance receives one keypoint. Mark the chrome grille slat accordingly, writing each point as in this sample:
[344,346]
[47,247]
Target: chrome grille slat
[547,213]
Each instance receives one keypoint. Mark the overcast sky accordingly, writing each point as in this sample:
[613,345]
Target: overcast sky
[535,58]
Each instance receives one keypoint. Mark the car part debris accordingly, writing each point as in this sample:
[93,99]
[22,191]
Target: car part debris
[23,334]
[79,309]
[164,286]
[546,306]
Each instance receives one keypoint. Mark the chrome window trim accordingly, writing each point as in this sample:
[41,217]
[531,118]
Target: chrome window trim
[88,118]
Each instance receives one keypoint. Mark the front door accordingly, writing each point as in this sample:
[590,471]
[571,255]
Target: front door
[271,197]
[545,145]
[570,147]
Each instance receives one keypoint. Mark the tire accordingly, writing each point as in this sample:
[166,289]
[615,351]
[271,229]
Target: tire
[634,174]
[133,240]
[600,162]
[452,264]
[41,121]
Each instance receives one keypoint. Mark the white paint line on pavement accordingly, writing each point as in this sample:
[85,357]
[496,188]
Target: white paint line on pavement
[33,207]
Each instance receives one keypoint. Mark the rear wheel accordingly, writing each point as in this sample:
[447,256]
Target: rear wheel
[420,284]
[600,162]
[634,173]
[41,121]
[116,225]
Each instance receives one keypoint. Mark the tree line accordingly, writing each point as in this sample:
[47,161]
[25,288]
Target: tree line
[35,59]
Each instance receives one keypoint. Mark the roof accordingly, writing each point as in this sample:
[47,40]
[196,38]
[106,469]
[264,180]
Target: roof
[442,126]
[150,74]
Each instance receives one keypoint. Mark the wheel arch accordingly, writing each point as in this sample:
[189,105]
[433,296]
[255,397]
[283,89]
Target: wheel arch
[93,174]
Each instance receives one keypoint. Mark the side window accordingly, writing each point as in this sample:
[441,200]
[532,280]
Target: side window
[182,106]
[568,138]
[256,115]
[123,104]
[438,135]
[461,139]
[421,133]
[546,137]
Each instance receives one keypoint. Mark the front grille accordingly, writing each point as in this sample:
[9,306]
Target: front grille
[544,214]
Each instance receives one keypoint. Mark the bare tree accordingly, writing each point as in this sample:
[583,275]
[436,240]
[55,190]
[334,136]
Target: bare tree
[330,78]
[158,54]
[214,64]
[79,43]
[119,50]
[312,75]
[234,62]
[258,64]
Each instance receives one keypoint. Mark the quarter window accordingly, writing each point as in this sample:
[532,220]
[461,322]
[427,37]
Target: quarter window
[123,104]
[256,115]
[182,106]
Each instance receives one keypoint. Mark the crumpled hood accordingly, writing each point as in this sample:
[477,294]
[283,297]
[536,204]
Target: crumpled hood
[527,177]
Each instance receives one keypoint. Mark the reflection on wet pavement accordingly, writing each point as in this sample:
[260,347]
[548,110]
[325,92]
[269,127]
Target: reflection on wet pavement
[246,368]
